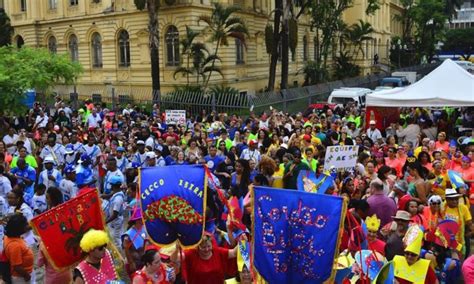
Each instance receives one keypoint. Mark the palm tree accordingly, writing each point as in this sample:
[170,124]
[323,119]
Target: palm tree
[152,7]
[357,34]
[187,45]
[223,25]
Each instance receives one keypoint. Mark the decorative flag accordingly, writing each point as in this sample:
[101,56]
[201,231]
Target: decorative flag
[456,179]
[173,202]
[309,182]
[296,234]
[62,227]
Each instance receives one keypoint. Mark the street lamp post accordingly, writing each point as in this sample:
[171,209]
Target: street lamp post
[399,47]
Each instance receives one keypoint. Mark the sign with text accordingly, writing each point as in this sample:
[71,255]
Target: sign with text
[62,227]
[296,234]
[173,116]
[173,203]
[341,158]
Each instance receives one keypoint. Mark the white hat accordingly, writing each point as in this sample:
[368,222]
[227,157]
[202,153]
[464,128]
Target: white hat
[372,122]
[48,159]
[150,155]
[451,192]
[140,142]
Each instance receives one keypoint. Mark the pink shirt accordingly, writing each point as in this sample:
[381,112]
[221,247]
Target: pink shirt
[468,270]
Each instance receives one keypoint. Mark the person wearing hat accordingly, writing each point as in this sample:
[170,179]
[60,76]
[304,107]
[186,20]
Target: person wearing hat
[292,170]
[49,176]
[68,185]
[374,244]
[134,241]
[140,156]
[98,265]
[440,179]
[122,161]
[251,152]
[460,214]
[433,216]
[93,151]
[373,133]
[409,267]
[394,245]
[150,160]
[69,155]
[84,173]
[112,171]
[159,159]
[114,209]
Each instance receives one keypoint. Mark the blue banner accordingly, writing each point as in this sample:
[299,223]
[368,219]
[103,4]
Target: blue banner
[173,202]
[309,182]
[295,235]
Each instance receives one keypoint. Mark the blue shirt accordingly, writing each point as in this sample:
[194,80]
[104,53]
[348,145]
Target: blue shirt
[29,173]
[212,162]
[84,175]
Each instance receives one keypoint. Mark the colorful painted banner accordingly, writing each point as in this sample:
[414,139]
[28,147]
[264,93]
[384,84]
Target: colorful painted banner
[296,234]
[62,227]
[173,116]
[173,202]
[309,182]
[342,158]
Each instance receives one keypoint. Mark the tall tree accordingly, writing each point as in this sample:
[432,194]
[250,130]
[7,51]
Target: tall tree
[273,43]
[223,25]
[152,7]
[27,68]
[6,30]
[460,41]
[406,18]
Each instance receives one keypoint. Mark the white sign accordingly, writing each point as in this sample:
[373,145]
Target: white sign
[342,158]
[173,116]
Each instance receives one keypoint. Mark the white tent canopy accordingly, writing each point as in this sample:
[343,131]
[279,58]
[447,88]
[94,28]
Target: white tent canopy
[447,85]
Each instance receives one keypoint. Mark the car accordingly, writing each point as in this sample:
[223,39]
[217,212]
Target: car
[467,65]
[394,81]
[344,96]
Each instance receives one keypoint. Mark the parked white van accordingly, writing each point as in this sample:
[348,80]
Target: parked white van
[347,95]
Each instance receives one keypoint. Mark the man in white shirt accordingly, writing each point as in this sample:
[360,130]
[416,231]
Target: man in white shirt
[10,140]
[112,171]
[373,133]
[251,153]
[55,150]
[94,119]
[410,133]
[68,185]
[41,120]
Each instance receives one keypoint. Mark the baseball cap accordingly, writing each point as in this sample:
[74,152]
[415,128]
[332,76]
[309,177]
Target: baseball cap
[140,142]
[120,149]
[150,155]
[69,169]
[48,159]
[306,137]
[114,180]
[84,157]
[372,122]
[69,149]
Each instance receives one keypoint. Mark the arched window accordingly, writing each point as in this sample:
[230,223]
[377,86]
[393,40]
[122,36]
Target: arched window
[96,46]
[172,46]
[239,52]
[20,42]
[73,48]
[52,46]
[305,48]
[124,49]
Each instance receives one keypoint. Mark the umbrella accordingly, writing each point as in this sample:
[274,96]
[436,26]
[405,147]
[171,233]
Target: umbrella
[456,179]
[370,262]
[446,234]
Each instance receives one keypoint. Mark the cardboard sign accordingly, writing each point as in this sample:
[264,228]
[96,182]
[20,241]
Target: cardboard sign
[176,117]
[341,158]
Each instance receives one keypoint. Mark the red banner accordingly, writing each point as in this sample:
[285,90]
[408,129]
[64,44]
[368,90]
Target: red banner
[62,227]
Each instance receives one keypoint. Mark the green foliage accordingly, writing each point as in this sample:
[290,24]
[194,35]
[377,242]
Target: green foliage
[355,36]
[372,7]
[460,41]
[292,35]
[28,68]
[269,38]
[344,68]
[6,30]
[223,25]
[220,90]
[313,73]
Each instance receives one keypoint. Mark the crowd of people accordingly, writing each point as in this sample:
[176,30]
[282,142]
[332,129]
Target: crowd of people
[400,182]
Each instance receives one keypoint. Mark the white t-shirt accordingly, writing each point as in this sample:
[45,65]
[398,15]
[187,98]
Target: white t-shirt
[5,186]
[10,140]
[93,120]
[41,121]
[68,189]
[39,203]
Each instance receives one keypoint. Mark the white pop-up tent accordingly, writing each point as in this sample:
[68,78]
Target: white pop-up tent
[447,85]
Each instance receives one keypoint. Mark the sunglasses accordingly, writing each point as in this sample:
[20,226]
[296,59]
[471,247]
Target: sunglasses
[407,253]
[436,203]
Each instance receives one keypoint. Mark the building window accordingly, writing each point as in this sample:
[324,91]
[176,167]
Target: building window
[172,46]
[305,48]
[20,42]
[73,48]
[124,49]
[53,4]
[23,5]
[239,52]
[52,46]
[73,2]
[96,46]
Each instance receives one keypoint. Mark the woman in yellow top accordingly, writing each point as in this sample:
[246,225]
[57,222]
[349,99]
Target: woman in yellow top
[440,180]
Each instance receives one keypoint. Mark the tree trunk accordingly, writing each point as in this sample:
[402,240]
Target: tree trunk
[213,64]
[284,48]
[276,38]
[153,28]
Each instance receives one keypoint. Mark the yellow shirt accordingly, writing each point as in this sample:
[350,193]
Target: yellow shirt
[278,177]
[439,184]
[461,215]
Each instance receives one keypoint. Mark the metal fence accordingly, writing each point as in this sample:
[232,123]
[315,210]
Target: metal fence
[290,100]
